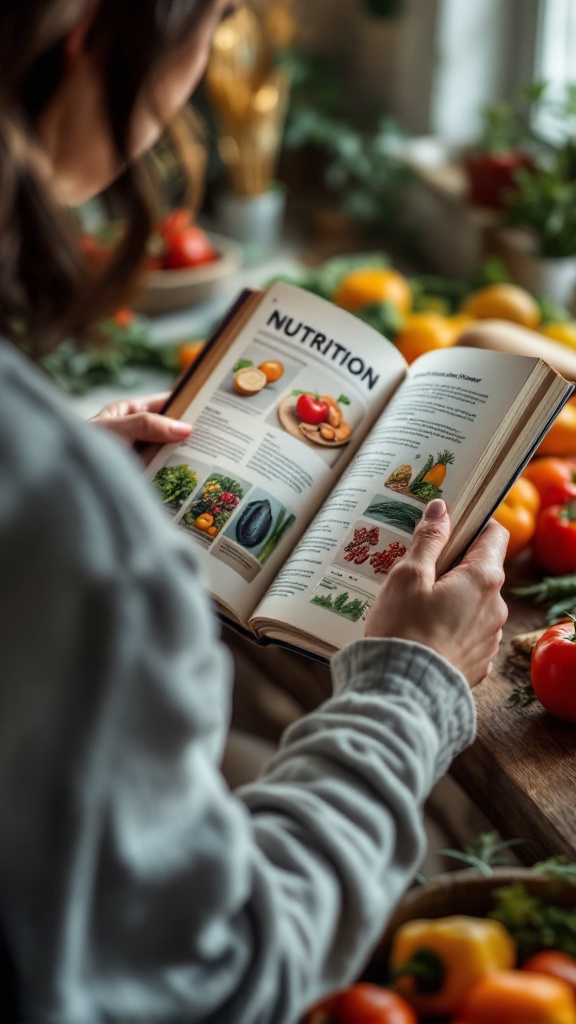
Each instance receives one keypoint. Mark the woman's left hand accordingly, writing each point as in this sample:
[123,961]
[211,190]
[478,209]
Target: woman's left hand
[139,419]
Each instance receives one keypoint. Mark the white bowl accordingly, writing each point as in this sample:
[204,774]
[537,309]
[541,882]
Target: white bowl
[165,291]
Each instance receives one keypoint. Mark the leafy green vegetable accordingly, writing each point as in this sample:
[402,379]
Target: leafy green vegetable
[533,923]
[175,484]
[109,359]
[558,591]
[522,696]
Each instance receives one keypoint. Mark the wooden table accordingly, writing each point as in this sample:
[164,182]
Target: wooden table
[521,771]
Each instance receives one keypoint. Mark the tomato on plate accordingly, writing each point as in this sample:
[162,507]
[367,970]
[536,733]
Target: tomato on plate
[189,248]
[553,670]
[311,409]
[364,1004]
[555,539]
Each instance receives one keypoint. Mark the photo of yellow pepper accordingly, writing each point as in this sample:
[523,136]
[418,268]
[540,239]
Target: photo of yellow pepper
[435,963]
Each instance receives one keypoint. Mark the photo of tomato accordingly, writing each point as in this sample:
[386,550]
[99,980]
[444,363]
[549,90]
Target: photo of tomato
[188,248]
[555,539]
[364,1004]
[311,409]
[553,670]
[317,418]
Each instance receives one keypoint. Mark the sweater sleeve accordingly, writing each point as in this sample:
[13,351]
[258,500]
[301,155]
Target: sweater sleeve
[134,885]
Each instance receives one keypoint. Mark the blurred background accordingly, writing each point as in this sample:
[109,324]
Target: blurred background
[428,140]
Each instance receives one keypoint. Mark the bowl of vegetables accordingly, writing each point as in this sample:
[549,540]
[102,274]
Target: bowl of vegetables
[470,949]
[184,264]
[168,289]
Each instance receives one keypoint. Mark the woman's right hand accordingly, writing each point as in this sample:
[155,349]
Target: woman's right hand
[461,614]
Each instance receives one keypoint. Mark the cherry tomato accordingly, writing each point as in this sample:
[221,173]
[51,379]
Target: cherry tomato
[173,224]
[517,514]
[124,317]
[364,1004]
[555,539]
[555,963]
[311,409]
[553,671]
[188,248]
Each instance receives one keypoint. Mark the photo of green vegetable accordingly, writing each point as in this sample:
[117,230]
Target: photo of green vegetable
[399,514]
[340,602]
[260,525]
[175,484]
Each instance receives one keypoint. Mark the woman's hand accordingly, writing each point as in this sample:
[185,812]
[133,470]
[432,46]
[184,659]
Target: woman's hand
[460,615]
[139,419]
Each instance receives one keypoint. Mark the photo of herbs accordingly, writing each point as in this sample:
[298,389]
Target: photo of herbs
[176,482]
[425,485]
[339,600]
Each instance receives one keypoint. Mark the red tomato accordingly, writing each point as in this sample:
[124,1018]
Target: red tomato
[553,962]
[548,472]
[124,317]
[555,538]
[188,248]
[311,409]
[174,223]
[366,1004]
[553,671]
[559,494]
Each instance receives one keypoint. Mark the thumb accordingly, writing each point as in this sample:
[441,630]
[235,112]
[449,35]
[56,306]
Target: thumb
[430,538]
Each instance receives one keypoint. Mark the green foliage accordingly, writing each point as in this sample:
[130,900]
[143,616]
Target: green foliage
[361,154]
[507,125]
[533,923]
[109,358]
[175,484]
[558,592]
[545,202]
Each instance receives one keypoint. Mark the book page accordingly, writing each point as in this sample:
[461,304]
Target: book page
[275,424]
[429,442]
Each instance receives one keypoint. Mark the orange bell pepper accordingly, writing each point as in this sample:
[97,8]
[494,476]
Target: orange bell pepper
[519,997]
[518,513]
[561,438]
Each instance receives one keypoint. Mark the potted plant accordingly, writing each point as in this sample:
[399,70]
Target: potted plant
[507,144]
[539,242]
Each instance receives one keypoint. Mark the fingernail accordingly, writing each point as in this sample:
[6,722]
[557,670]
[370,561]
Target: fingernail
[435,509]
[180,429]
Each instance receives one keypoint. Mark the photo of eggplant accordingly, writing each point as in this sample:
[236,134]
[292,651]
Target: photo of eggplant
[260,525]
[254,524]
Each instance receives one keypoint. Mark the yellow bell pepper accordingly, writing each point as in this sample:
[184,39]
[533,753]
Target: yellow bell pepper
[435,963]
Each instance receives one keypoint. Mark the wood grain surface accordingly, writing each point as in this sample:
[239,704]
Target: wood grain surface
[521,771]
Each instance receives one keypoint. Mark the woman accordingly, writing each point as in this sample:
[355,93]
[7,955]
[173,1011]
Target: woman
[133,885]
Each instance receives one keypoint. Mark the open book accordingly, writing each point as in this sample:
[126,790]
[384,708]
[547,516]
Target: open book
[316,449]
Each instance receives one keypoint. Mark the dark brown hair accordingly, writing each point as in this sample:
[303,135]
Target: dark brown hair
[45,289]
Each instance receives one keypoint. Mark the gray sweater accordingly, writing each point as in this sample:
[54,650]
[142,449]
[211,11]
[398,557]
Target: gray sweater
[133,885]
